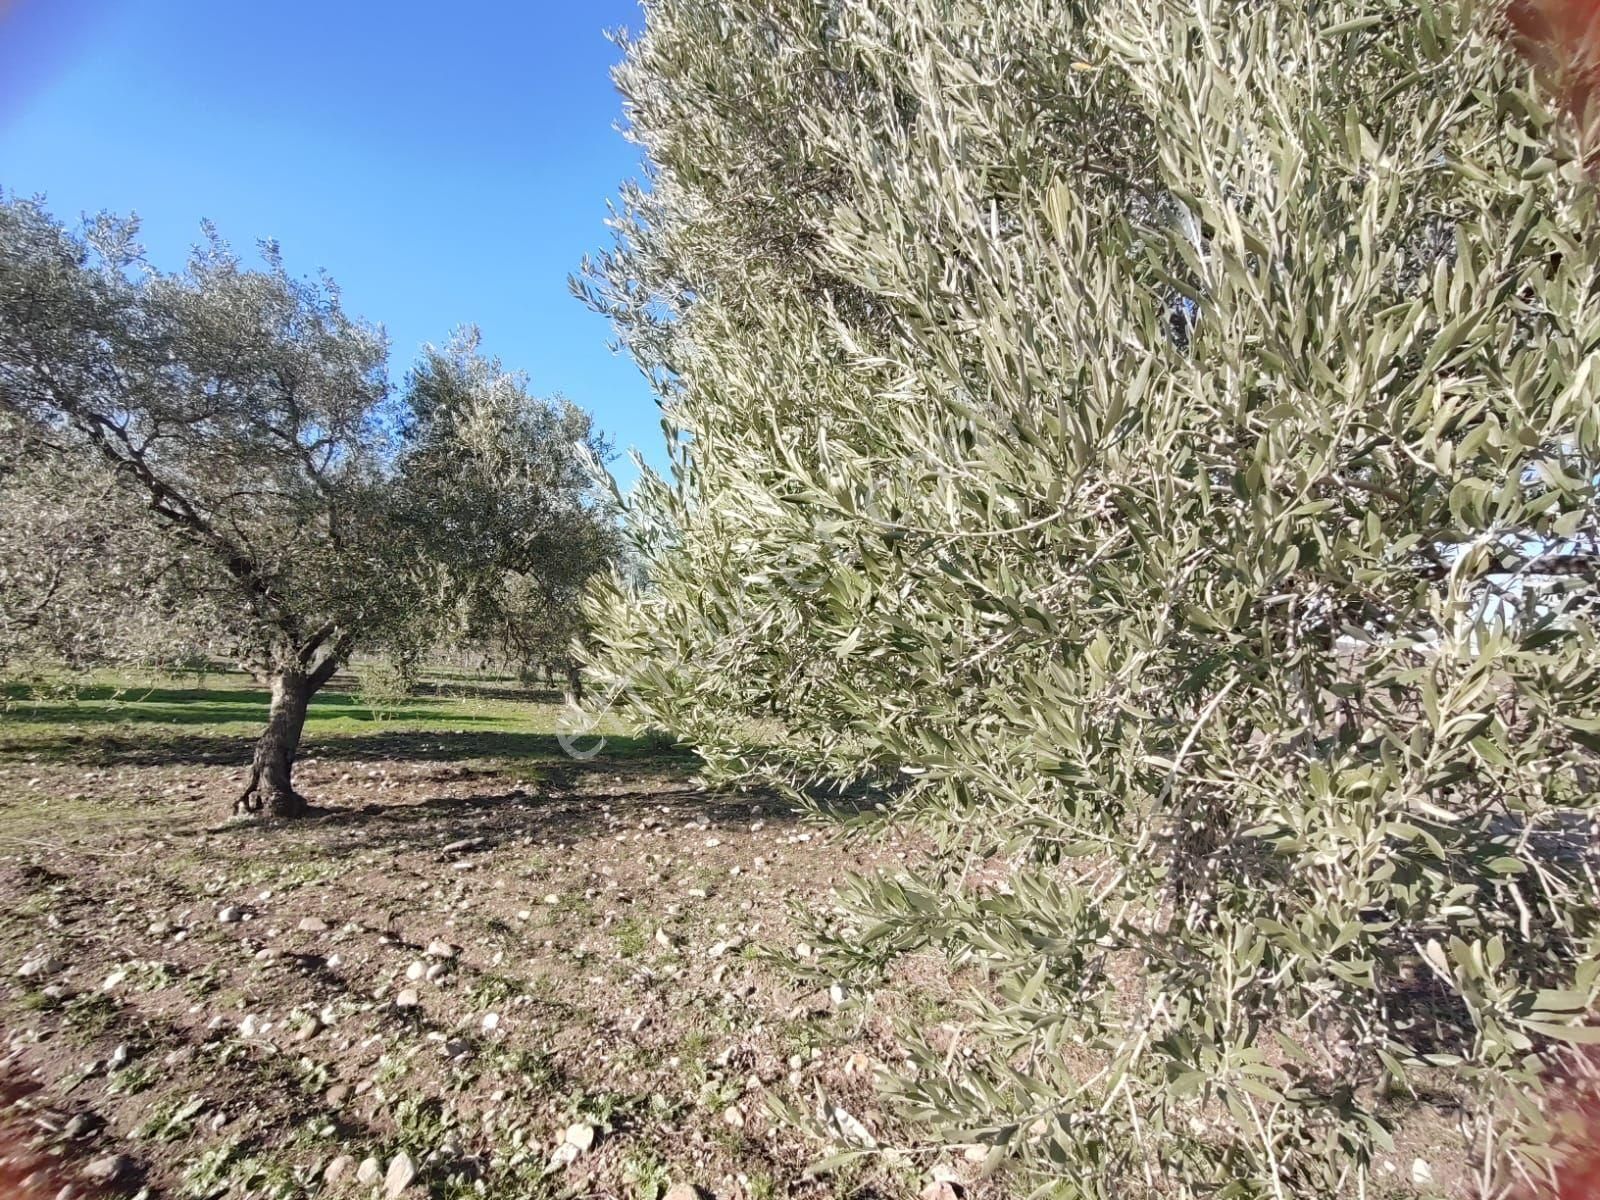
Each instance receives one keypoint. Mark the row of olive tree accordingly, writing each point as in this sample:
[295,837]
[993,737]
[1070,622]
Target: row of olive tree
[218,452]
[1154,443]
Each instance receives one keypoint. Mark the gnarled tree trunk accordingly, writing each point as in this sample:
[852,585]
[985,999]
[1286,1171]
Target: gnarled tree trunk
[270,787]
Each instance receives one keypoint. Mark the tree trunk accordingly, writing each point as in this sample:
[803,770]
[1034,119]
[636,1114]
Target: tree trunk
[574,683]
[270,789]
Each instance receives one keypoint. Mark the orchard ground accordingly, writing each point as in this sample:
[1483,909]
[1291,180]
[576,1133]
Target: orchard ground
[481,963]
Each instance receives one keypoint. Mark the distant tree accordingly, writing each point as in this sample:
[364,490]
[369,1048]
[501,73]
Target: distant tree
[225,437]
[505,482]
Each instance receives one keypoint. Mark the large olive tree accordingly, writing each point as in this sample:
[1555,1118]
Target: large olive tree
[225,438]
[242,409]
[1154,443]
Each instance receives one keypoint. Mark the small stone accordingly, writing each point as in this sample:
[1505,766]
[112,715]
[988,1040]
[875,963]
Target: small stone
[664,939]
[1421,1172]
[337,1094]
[457,1048]
[552,898]
[313,925]
[566,1154]
[838,994]
[580,1135]
[734,1115]
[401,1172]
[48,965]
[416,971]
[941,1189]
[307,1031]
[438,949]
[435,972]
[683,1191]
[337,1168]
[110,1169]
[491,1022]
[408,998]
[369,1172]
[229,914]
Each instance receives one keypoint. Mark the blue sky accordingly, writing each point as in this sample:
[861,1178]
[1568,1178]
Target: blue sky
[447,164]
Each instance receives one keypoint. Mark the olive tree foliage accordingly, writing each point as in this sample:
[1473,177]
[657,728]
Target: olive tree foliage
[505,483]
[1153,445]
[66,570]
[225,429]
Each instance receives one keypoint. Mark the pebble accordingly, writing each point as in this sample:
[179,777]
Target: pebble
[435,972]
[313,925]
[337,1094]
[438,949]
[580,1135]
[401,1172]
[369,1171]
[566,1154]
[109,1169]
[408,998]
[337,1168]
[229,914]
[416,971]
[47,965]
[491,1022]
[682,1191]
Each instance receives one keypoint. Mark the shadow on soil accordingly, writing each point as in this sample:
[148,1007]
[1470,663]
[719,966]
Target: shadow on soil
[400,745]
[569,803]
[196,706]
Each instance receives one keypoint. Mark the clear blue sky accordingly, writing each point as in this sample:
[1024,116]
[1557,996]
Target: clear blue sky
[446,163]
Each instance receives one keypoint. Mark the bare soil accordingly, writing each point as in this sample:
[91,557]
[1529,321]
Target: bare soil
[214,1008]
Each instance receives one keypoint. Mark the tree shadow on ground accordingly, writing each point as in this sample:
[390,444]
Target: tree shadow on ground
[572,802]
[402,745]
[171,706]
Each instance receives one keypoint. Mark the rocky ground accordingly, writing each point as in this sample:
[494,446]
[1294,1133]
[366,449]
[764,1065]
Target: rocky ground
[460,978]
[480,969]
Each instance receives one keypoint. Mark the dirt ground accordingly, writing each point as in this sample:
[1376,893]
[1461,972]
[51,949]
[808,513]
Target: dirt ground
[480,969]
[495,978]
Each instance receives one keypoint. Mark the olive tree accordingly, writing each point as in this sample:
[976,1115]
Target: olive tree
[506,483]
[232,423]
[1154,445]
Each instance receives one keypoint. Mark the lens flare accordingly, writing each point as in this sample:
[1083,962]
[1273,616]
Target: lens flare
[38,38]
[1562,38]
